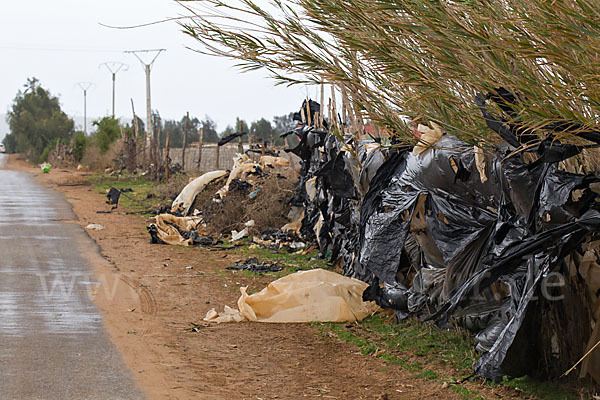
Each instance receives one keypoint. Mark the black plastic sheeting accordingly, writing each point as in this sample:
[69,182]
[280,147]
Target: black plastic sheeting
[112,197]
[313,107]
[253,265]
[439,239]
[514,229]
[231,137]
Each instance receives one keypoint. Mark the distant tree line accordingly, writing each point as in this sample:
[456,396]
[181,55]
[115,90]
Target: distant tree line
[193,125]
[261,130]
[37,123]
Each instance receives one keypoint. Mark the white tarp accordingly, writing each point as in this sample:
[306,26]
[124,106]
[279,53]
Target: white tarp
[186,198]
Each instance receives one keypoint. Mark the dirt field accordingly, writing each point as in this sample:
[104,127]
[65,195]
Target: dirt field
[150,300]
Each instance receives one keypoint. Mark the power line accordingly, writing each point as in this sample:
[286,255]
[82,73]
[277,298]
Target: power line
[135,53]
[58,49]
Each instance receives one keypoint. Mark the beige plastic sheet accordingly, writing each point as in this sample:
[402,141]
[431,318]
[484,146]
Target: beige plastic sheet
[429,137]
[186,198]
[274,161]
[169,234]
[296,215]
[480,163]
[305,296]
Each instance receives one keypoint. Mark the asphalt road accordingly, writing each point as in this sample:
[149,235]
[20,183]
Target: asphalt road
[52,342]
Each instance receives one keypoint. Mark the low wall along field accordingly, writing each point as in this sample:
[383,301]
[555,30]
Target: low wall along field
[209,155]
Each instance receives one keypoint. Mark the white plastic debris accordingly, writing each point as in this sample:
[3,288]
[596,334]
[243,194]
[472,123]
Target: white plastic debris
[186,198]
[94,227]
[228,315]
[235,235]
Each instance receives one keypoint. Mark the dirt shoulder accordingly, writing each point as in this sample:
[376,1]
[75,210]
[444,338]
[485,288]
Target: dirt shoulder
[150,299]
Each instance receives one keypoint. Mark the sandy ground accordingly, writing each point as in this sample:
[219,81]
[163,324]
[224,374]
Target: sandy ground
[149,300]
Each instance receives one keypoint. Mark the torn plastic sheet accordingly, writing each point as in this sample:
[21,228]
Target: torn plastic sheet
[171,229]
[186,197]
[305,296]
[329,190]
[462,234]
[338,178]
[472,234]
[230,138]
[512,228]
[273,162]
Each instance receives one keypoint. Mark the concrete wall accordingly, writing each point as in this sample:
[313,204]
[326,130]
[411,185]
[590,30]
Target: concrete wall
[209,154]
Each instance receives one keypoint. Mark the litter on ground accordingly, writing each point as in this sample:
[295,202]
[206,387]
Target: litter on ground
[94,227]
[305,296]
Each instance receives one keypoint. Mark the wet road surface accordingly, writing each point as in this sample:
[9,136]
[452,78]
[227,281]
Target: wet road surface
[52,342]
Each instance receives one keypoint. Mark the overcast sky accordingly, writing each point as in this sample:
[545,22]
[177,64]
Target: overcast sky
[61,42]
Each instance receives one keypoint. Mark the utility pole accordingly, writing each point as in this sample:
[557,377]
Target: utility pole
[185,129]
[148,69]
[114,68]
[85,86]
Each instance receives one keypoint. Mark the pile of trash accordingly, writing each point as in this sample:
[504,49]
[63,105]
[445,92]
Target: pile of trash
[239,202]
[502,241]
[280,239]
[252,264]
